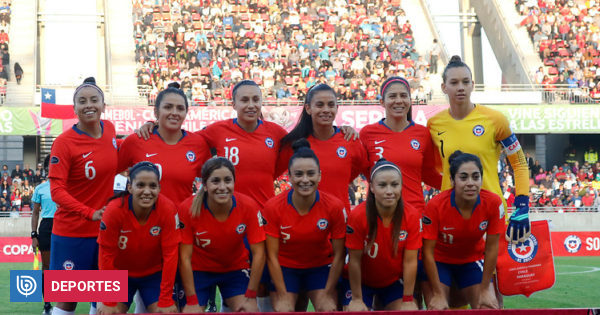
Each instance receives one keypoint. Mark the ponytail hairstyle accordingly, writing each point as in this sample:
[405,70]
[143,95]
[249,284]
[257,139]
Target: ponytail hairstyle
[88,82]
[302,149]
[133,172]
[455,62]
[459,158]
[371,208]
[397,80]
[208,168]
[172,88]
[304,127]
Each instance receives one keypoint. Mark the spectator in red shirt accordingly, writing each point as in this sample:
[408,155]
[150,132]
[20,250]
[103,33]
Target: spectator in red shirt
[587,200]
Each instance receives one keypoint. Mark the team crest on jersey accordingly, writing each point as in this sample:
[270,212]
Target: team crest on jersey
[54,160]
[349,229]
[114,141]
[68,265]
[322,224]
[269,142]
[523,252]
[415,144]
[402,236]
[478,130]
[483,225]
[341,152]
[155,230]
[572,244]
[240,228]
[190,156]
[102,226]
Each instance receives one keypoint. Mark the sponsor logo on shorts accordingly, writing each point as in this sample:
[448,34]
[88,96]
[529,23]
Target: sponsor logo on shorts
[155,230]
[190,156]
[261,219]
[322,224]
[349,294]
[269,142]
[478,130]
[523,252]
[68,265]
[341,152]
[415,144]
[483,225]
[240,228]
[572,244]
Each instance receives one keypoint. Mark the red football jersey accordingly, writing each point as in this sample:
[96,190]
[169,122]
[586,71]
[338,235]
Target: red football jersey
[179,164]
[411,150]
[340,160]
[254,154]
[127,245]
[219,246]
[459,240]
[304,241]
[82,173]
[379,267]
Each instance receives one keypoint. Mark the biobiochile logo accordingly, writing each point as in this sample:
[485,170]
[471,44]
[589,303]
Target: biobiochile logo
[26,286]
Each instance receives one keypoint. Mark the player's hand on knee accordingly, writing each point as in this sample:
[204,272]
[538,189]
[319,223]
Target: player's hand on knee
[437,302]
[249,305]
[283,303]
[487,298]
[409,306]
[357,305]
[167,310]
[192,309]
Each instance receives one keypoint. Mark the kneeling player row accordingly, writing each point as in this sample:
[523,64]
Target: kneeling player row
[300,235]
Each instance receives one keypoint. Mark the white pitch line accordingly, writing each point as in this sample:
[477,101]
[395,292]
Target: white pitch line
[592,269]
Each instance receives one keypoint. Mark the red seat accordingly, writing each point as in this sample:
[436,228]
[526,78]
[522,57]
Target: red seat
[553,71]
[242,52]
[196,17]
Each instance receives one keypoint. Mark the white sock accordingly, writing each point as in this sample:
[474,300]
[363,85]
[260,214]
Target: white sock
[93,309]
[140,308]
[58,311]
[264,304]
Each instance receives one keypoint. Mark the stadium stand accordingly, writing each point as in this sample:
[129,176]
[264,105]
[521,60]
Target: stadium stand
[565,34]
[285,48]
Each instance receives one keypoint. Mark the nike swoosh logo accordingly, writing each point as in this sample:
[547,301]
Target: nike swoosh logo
[440,133]
[200,233]
[149,155]
[285,227]
[229,139]
[380,141]
[87,154]
[125,231]
[448,228]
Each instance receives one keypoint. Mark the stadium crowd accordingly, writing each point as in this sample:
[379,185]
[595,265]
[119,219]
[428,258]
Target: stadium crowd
[566,35]
[17,186]
[285,47]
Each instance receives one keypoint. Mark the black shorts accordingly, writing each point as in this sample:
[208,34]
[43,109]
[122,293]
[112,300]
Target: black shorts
[45,232]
